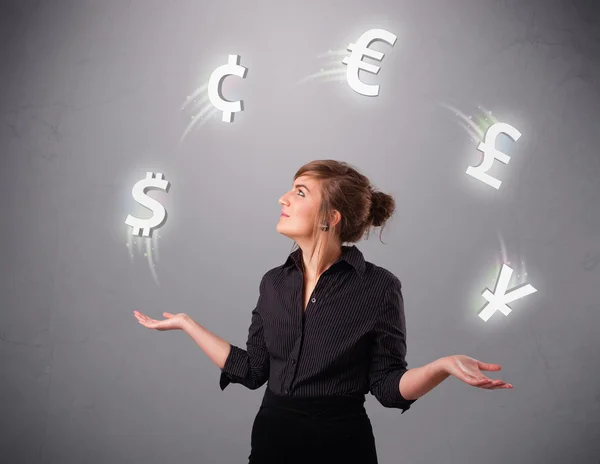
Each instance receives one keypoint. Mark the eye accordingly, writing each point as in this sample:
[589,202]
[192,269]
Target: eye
[300,191]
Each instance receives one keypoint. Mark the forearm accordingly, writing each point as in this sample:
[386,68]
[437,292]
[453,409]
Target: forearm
[418,381]
[215,347]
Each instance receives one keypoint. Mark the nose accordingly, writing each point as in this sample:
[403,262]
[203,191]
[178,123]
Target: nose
[283,201]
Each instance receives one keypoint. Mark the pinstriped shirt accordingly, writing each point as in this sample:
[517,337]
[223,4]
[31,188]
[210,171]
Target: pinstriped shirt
[350,340]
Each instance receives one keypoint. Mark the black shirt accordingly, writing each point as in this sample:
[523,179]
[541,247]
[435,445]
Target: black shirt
[351,339]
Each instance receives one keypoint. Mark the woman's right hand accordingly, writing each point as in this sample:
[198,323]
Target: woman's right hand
[172,321]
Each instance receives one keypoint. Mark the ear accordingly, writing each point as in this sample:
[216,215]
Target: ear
[335,218]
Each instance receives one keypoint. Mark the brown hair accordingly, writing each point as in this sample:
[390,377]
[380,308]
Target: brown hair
[345,189]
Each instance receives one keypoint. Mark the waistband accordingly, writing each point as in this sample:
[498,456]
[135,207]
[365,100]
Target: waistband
[322,406]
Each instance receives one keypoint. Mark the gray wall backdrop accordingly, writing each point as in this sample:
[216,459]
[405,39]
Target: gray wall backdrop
[91,100]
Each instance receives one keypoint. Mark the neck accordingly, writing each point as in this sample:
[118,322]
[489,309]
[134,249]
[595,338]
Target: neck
[327,255]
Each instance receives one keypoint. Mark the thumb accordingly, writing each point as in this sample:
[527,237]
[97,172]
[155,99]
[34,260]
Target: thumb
[489,367]
[169,315]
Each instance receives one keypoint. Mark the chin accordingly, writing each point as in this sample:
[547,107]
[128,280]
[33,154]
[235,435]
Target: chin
[283,232]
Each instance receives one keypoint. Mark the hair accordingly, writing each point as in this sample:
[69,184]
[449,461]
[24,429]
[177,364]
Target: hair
[351,193]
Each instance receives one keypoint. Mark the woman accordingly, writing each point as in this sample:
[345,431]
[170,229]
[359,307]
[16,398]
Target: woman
[328,328]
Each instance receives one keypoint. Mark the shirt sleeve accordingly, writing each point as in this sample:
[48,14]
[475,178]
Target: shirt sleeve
[249,367]
[388,363]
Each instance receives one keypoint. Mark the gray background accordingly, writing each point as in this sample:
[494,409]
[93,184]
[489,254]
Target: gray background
[91,99]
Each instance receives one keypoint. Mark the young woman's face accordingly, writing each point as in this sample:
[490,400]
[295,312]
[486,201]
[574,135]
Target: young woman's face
[299,208]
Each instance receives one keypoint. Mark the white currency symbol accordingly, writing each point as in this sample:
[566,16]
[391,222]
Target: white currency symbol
[490,153]
[144,227]
[498,300]
[216,81]
[354,62]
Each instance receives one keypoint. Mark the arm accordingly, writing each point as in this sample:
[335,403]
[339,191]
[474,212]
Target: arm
[215,348]
[248,367]
[418,381]
[397,387]
[388,364]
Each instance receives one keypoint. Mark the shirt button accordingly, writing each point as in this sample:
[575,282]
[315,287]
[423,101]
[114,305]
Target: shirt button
[313,300]
[287,391]
[293,361]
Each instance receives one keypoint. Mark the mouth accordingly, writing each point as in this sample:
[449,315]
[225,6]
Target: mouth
[284,215]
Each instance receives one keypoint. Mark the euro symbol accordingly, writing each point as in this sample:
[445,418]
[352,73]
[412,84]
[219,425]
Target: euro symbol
[490,153]
[355,62]
[216,81]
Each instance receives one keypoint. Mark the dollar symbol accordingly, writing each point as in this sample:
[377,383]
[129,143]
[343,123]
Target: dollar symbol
[490,153]
[361,49]
[216,81]
[144,227]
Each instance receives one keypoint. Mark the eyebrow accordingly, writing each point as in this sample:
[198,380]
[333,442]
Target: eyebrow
[302,185]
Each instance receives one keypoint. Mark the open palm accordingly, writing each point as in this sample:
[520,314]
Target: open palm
[172,321]
[469,370]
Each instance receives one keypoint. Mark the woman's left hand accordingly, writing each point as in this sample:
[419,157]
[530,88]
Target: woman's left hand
[469,370]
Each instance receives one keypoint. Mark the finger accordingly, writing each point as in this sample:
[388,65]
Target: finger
[145,318]
[505,385]
[496,387]
[484,380]
[494,383]
[146,321]
[491,383]
[477,381]
[487,384]
[488,387]
[149,325]
[499,384]
[489,366]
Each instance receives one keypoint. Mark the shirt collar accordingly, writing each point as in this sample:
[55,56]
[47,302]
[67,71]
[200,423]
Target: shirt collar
[351,254]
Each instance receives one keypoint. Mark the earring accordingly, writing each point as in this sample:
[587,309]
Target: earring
[325,227]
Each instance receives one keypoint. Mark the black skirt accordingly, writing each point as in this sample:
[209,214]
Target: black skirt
[314,430]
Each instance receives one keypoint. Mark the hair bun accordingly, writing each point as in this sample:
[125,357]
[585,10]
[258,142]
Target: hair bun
[382,207]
